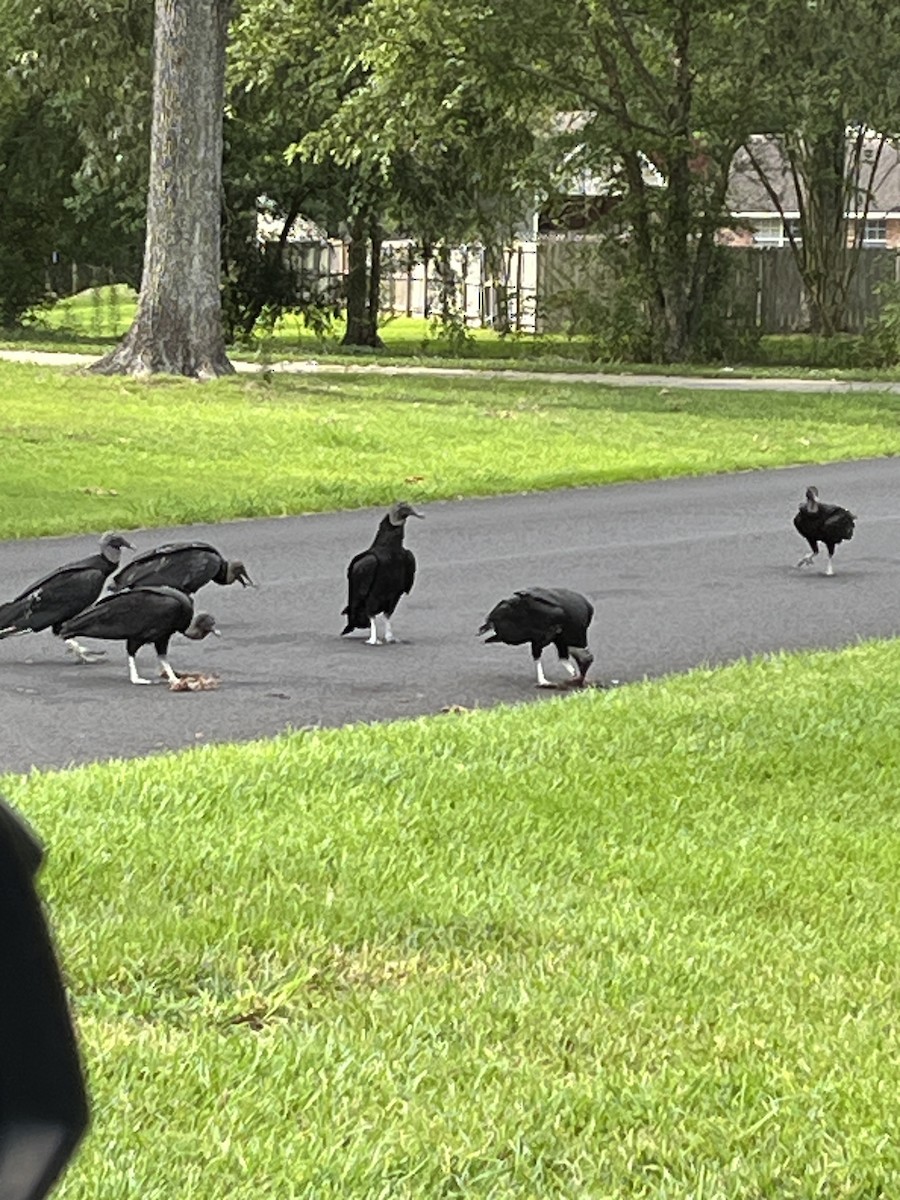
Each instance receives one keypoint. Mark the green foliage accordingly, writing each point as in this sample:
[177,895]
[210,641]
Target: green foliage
[411,960]
[882,340]
[86,70]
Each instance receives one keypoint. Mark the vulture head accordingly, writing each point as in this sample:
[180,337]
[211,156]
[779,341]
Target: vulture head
[400,510]
[584,658]
[112,544]
[202,626]
[236,572]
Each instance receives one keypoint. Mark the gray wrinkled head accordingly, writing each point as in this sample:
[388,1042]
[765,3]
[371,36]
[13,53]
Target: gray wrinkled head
[236,572]
[400,510]
[202,626]
[583,657]
[812,499]
[112,544]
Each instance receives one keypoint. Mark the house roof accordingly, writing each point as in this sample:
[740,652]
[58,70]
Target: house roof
[748,197]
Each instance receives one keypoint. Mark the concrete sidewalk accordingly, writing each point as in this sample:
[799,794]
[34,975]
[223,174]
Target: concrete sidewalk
[724,380]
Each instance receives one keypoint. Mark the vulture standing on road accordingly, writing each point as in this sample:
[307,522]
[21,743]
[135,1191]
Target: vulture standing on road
[183,565]
[545,617]
[141,616]
[827,523]
[379,576]
[62,594]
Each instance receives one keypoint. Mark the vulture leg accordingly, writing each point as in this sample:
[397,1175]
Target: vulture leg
[829,570]
[166,667]
[807,559]
[372,639]
[388,632]
[542,680]
[570,667]
[133,672]
[82,653]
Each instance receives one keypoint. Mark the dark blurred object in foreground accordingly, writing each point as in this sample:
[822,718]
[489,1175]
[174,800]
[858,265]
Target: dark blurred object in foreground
[43,1105]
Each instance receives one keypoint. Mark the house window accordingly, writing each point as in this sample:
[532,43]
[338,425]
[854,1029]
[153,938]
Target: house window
[875,232]
[768,232]
[772,231]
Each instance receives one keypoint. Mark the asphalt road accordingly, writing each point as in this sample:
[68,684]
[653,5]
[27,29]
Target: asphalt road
[682,573]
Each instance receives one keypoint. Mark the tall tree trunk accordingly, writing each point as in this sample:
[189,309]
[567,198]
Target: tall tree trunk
[821,161]
[362,322]
[829,183]
[677,252]
[357,290]
[373,306]
[178,325]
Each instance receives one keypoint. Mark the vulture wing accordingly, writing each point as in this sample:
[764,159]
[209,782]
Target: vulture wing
[56,596]
[524,618]
[186,566]
[140,612]
[837,522]
[409,570]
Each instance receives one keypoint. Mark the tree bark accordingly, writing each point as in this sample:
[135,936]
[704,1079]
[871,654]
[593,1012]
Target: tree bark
[178,329]
[373,306]
[362,321]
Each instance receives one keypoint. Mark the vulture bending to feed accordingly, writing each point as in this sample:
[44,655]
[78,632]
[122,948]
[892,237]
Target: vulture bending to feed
[827,523]
[141,616]
[62,594]
[379,576]
[545,617]
[183,565]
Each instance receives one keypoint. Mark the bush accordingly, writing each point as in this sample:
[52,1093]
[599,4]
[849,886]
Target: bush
[882,337]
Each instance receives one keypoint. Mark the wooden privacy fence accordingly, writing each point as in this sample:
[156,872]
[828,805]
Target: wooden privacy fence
[462,283]
[544,286]
[765,289]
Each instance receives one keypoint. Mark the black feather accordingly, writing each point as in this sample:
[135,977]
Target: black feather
[379,576]
[829,524]
[187,566]
[140,617]
[543,617]
[58,596]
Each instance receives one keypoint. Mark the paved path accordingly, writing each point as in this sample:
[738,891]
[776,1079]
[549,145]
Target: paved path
[682,572]
[726,379]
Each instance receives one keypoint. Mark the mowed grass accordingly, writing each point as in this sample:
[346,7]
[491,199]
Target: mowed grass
[92,320]
[84,453]
[656,954]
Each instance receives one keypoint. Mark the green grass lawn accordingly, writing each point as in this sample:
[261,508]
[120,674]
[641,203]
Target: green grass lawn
[656,955]
[83,453]
[640,943]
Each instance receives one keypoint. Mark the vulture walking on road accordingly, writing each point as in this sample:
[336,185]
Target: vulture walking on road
[545,617]
[62,594]
[379,576]
[143,616]
[826,523]
[186,566]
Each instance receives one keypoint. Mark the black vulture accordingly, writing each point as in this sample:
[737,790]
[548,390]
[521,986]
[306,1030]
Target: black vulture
[826,523]
[141,616]
[545,617]
[379,576]
[63,593]
[186,566]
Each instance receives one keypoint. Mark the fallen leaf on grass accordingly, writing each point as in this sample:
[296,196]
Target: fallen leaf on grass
[99,491]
